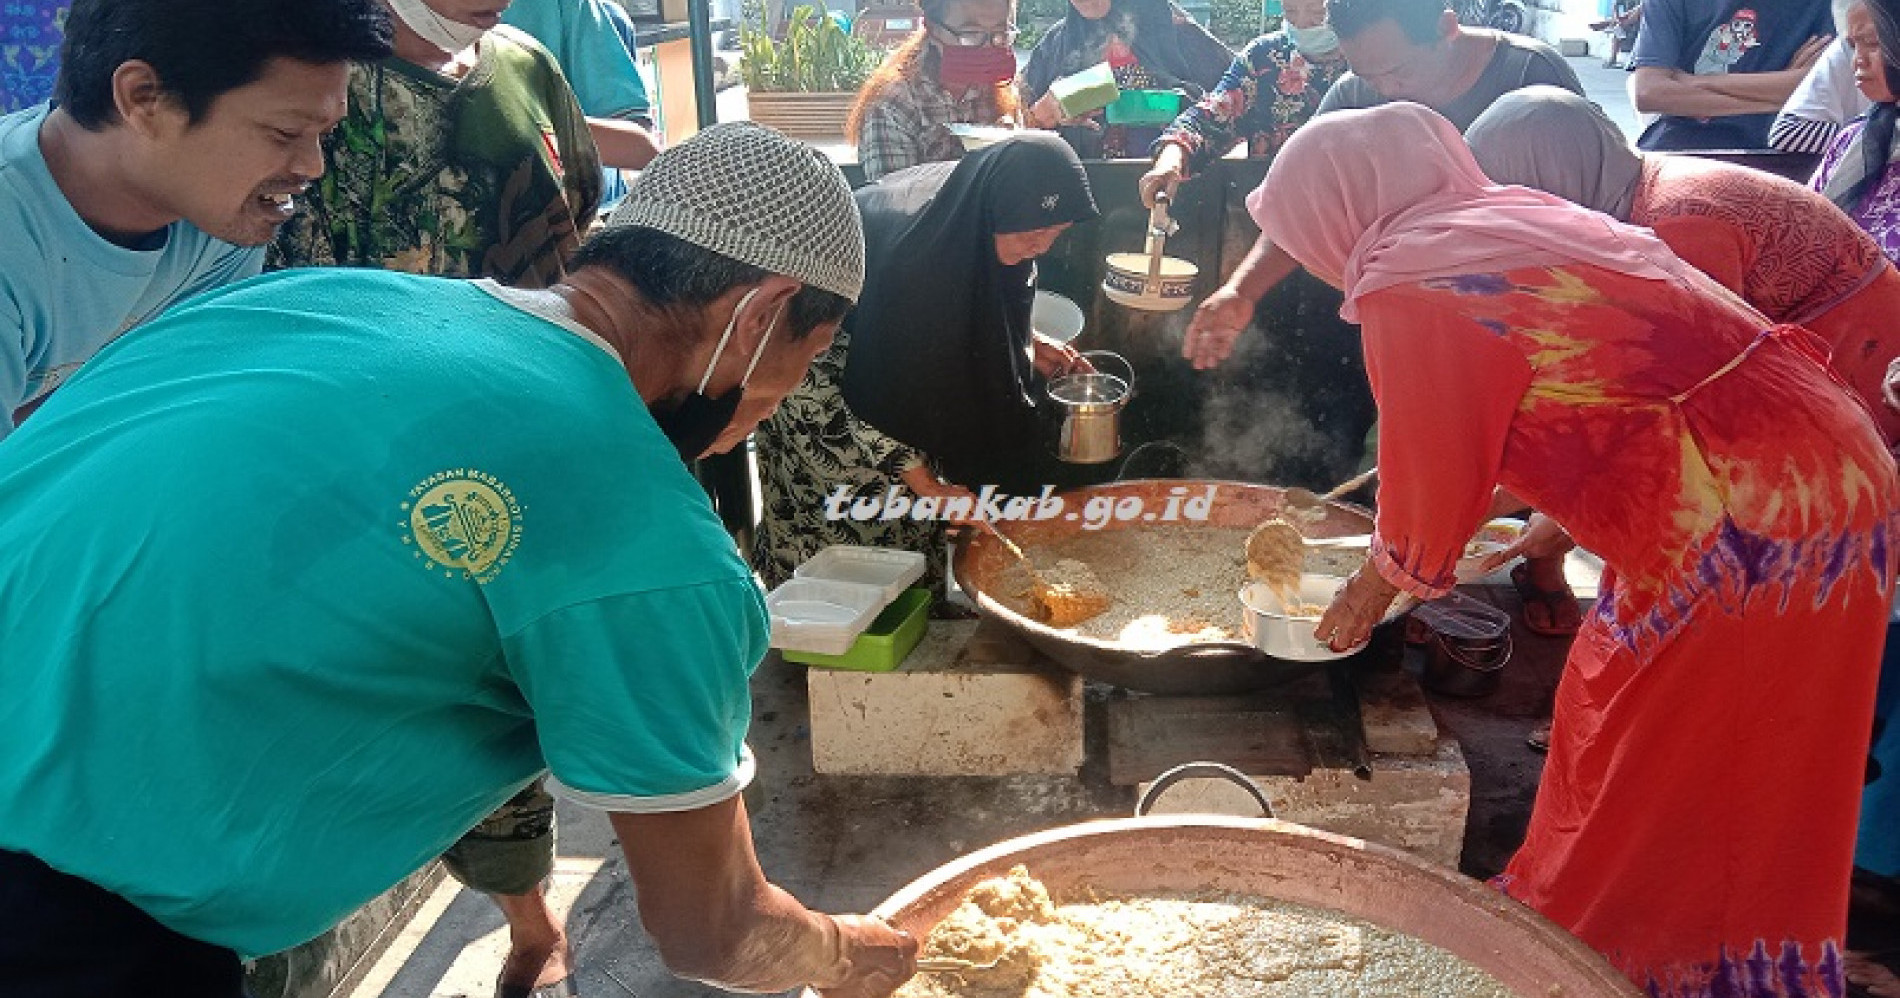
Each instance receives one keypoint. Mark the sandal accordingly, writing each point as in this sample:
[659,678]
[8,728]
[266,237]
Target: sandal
[1554,602]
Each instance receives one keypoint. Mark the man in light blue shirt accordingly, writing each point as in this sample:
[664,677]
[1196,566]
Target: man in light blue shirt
[593,40]
[179,135]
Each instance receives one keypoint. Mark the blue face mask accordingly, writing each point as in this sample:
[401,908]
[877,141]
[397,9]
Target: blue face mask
[1314,41]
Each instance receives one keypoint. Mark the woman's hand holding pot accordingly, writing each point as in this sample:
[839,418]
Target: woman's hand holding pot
[1348,621]
[1166,175]
[1052,358]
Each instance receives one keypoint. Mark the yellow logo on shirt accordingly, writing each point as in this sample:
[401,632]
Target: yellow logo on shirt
[463,522]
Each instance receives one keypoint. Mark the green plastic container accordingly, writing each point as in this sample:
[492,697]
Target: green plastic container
[883,645]
[1089,90]
[1145,107]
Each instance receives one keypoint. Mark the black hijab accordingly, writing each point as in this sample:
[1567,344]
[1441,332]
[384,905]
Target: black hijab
[939,339]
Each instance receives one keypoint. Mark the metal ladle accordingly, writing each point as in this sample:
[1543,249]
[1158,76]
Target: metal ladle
[946,964]
[1298,498]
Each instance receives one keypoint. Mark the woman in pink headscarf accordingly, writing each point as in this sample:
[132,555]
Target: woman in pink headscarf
[1697,814]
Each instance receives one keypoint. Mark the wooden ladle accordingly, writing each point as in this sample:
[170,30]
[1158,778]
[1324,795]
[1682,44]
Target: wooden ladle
[1298,498]
[1059,603]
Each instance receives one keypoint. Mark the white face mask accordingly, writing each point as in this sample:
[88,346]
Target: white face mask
[1314,41]
[448,35]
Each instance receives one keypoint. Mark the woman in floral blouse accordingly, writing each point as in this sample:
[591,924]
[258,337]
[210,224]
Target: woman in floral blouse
[1270,90]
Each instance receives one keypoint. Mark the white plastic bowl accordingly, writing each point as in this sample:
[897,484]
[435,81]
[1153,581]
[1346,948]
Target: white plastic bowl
[1265,622]
[1056,317]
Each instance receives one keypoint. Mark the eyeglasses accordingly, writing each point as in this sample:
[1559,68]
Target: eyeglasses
[976,37]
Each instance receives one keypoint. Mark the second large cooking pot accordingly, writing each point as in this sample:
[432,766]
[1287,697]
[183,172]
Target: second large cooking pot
[1272,859]
[1206,668]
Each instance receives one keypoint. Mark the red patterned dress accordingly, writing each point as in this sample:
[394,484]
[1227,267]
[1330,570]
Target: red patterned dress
[1798,261]
[1696,818]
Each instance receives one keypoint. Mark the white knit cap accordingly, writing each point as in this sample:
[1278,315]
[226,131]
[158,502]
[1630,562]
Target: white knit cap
[747,192]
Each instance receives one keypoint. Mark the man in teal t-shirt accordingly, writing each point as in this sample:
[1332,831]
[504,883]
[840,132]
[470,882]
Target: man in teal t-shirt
[179,139]
[303,578]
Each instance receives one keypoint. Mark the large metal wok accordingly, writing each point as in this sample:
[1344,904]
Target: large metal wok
[1203,668]
[1273,859]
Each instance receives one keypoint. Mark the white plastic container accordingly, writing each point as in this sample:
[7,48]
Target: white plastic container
[1265,621]
[1056,317]
[820,616]
[889,571]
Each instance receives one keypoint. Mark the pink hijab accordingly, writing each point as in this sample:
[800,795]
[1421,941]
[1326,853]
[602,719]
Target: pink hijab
[1391,195]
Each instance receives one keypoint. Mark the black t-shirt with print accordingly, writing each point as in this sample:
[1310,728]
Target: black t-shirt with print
[1707,37]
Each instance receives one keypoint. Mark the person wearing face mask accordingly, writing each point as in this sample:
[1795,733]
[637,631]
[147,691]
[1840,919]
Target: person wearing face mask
[400,545]
[1148,44]
[956,68]
[464,154]
[181,139]
[931,387]
[1272,88]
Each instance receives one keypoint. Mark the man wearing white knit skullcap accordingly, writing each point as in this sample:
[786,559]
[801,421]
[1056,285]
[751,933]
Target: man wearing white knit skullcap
[716,282]
[457,552]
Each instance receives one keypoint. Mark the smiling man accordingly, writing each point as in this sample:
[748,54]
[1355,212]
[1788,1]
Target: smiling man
[177,141]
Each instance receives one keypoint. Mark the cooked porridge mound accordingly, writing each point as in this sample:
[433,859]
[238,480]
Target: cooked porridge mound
[1201,945]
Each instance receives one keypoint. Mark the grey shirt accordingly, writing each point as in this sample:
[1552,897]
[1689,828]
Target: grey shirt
[1517,62]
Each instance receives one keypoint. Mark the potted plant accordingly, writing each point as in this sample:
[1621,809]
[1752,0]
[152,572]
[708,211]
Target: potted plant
[804,85]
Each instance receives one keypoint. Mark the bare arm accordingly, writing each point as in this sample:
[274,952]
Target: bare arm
[1218,321]
[1264,267]
[622,144]
[1664,90]
[716,919]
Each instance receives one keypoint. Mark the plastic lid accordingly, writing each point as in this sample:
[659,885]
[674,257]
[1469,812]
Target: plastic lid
[1456,615]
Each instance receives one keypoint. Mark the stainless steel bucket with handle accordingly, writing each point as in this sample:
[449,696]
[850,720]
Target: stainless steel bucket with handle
[1085,410]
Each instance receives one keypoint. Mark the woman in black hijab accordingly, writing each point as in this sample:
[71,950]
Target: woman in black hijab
[935,377]
[1148,44]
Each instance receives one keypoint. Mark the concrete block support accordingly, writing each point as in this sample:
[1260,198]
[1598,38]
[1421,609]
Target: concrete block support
[971,700]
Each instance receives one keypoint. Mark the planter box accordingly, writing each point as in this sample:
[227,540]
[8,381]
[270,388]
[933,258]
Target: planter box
[817,116]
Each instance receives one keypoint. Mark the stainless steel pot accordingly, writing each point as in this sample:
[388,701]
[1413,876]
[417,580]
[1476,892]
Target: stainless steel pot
[1149,280]
[1085,410]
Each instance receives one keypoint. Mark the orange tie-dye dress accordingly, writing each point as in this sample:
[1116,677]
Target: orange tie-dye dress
[1696,818]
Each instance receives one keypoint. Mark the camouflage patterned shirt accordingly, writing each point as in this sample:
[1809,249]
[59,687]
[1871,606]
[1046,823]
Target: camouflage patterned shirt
[491,175]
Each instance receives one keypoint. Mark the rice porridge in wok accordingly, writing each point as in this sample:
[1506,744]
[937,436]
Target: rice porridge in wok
[1168,585]
[1177,944]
